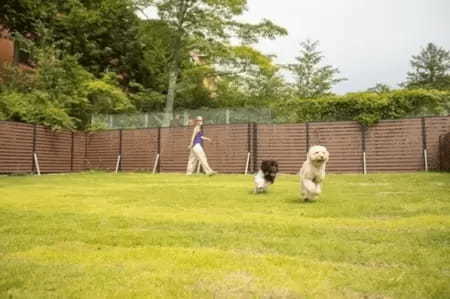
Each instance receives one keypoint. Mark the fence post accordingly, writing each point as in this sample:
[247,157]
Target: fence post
[119,157]
[158,167]
[110,121]
[33,165]
[363,144]
[120,149]
[255,147]
[249,148]
[424,144]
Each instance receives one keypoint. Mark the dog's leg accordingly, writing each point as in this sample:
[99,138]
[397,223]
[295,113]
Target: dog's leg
[302,191]
[318,189]
[309,186]
[310,196]
[309,189]
[260,189]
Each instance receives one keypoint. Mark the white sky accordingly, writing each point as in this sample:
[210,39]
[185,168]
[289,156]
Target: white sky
[370,41]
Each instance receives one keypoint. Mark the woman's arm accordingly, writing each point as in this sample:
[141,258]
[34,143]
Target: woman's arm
[196,129]
[206,138]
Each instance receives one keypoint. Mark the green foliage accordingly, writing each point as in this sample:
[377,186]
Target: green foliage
[25,15]
[366,108]
[155,37]
[106,36]
[103,33]
[146,99]
[250,79]
[380,88]
[253,91]
[58,93]
[206,27]
[431,69]
[34,107]
[311,79]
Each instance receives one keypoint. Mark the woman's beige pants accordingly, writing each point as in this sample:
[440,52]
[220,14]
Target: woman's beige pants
[198,155]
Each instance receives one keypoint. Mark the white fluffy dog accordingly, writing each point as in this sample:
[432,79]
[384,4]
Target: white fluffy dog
[313,172]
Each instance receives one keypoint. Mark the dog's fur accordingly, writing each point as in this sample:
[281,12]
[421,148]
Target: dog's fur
[266,175]
[312,172]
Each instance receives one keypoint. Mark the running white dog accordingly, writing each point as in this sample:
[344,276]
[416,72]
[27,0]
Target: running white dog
[313,172]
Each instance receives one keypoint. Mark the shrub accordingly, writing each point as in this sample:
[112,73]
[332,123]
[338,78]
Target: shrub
[367,108]
[34,107]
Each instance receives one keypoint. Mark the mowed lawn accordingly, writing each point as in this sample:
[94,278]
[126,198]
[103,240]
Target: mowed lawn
[100,235]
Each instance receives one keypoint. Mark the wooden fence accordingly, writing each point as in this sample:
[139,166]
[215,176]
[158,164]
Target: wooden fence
[391,145]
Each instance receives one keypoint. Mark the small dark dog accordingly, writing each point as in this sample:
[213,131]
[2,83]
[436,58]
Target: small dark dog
[266,175]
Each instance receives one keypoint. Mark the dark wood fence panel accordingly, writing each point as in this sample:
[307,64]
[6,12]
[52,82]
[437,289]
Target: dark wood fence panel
[102,150]
[435,127]
[285,143]
[344,143]
[53,149]
[79,151]
[16,147]
[174,149]
[395,146]
[444,152]
[139,149]
[227,153]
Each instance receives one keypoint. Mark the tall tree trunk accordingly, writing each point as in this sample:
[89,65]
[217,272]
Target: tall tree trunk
[174,72]
[172,89]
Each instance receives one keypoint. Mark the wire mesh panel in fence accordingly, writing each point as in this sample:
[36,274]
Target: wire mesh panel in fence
[182,118]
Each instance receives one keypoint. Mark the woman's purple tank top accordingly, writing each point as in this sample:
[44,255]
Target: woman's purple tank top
[198,138]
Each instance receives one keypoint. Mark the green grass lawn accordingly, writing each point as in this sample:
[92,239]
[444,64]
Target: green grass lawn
[100,235]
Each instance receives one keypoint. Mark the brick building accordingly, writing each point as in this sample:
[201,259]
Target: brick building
[10,52]
[6,47]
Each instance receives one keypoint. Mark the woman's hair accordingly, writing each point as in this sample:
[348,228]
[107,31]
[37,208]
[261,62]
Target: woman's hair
[198,125]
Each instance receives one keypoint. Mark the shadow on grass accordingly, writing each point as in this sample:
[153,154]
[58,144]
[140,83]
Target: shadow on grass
[300,201]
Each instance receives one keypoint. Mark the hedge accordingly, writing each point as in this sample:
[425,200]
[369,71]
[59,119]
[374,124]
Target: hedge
[367,108]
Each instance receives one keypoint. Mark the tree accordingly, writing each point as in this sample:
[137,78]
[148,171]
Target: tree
[431,69]
[251,80]
[311,79]
[380,88]
[103,33]
[207,27]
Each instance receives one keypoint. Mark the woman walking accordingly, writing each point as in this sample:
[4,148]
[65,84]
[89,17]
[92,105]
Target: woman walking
[197,153]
